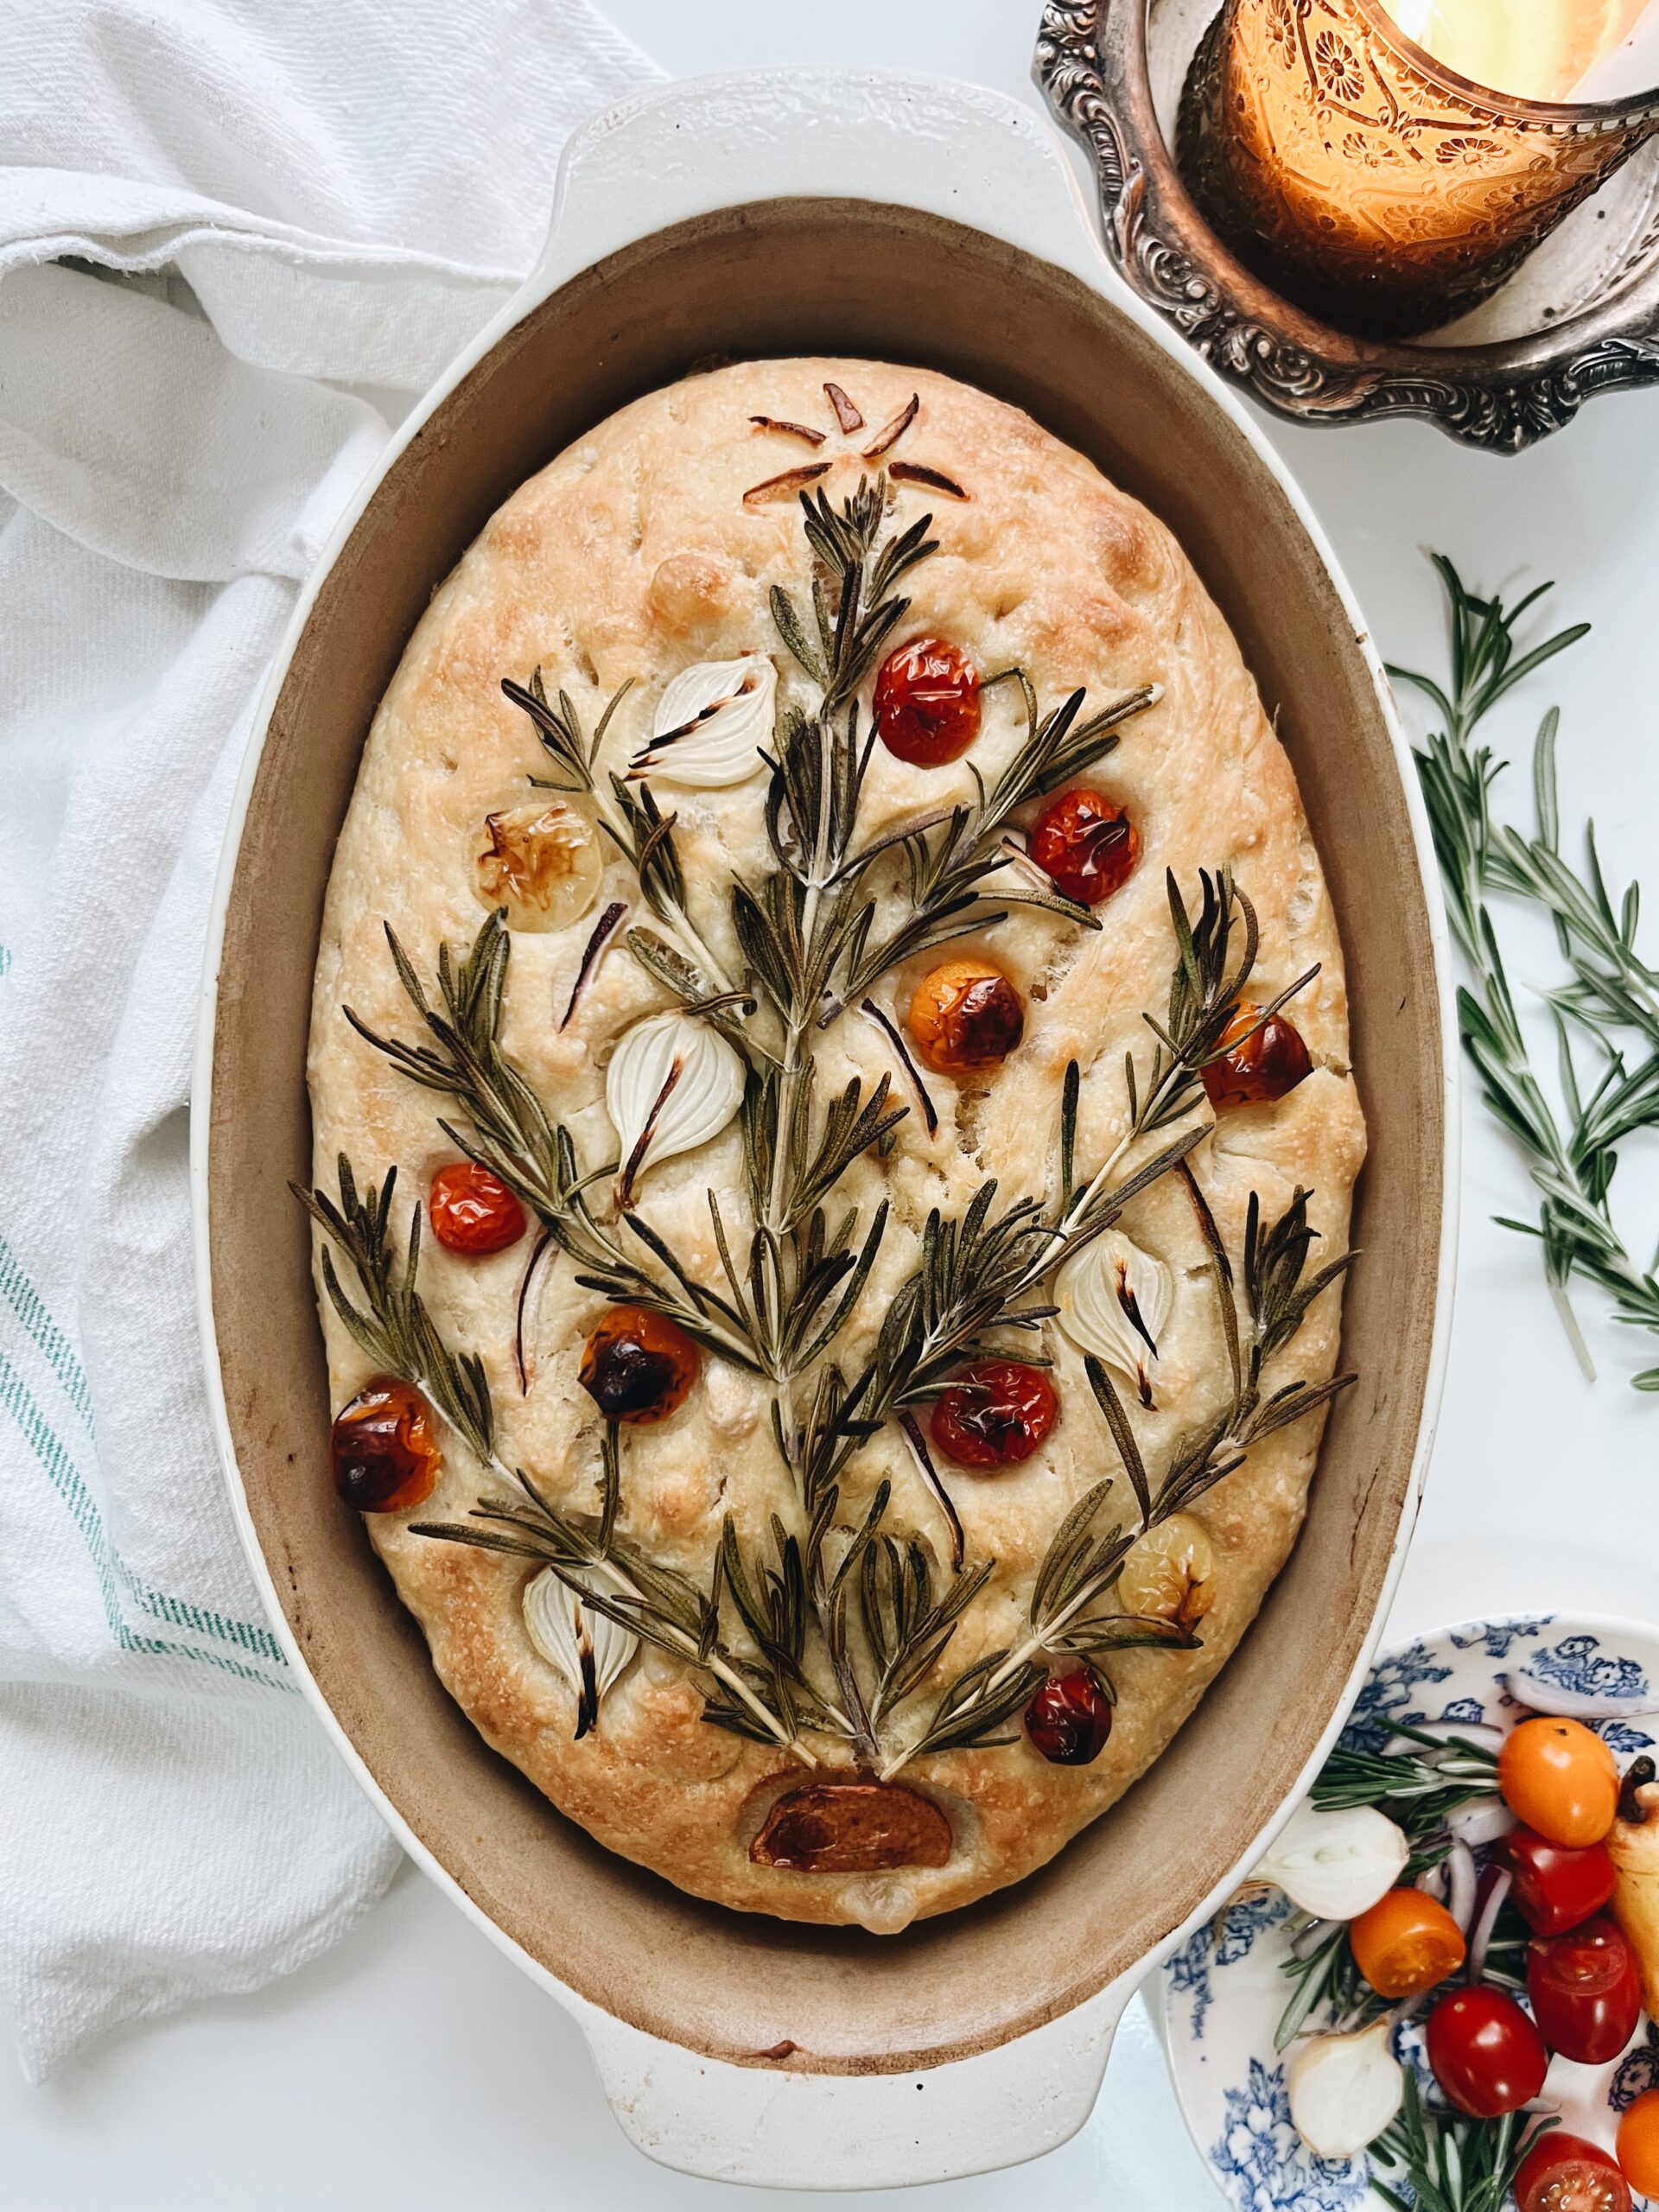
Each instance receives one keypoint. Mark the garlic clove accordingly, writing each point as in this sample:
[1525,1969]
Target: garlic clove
[710,724]
[673,1083]
[586,1648]
[1344,2089]
[541,861]
[1115,1300]
[1337,1865]
[1170,1572]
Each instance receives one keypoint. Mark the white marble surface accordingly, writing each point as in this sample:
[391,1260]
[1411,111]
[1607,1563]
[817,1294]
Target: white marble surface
[414,2069]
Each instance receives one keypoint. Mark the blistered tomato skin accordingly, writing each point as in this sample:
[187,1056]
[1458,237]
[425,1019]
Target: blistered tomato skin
[998,1414]
[1563,2173]
[1638,2144]
[1586,1990]
[1069,1720]
[638,1367]
[1556,1888]
[384,1454]
[1085,845]
[927,707]
[1256,1066]
[966,1018]
[473,1212]
[1559,1777]
[1486,2053]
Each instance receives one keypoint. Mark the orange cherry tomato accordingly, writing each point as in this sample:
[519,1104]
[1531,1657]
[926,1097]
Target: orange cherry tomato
[1405,1943]
[1638,2145]
[1560,1778]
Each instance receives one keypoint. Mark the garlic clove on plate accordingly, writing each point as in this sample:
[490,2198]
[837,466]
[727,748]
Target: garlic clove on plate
[588,1649]
[673,1083]
[1336,1865]
[542,861]
[1344,2089]
[1115,1300]
[710,724]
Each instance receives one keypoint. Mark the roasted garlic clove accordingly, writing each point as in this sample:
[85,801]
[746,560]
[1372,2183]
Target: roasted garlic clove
[542,861]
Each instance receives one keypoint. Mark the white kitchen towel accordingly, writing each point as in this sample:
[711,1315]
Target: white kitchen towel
[234,239]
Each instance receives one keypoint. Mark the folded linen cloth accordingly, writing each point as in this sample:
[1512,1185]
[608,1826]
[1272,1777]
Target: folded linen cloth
[281,223]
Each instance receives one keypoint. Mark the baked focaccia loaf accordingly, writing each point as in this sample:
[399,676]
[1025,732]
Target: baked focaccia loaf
[829,942]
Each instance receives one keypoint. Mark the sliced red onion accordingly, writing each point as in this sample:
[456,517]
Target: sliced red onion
[1502,1880]
[1462,1878]
[604,930]
[1540,1694]
[519,1360]
[1311,1936]
[930,1475]
[1433,1882]
[1482,1822]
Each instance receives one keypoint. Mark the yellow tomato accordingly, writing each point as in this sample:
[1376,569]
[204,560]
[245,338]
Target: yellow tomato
[1559,1777]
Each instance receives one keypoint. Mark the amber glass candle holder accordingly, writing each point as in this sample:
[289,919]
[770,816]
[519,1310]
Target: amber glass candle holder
[1366,180]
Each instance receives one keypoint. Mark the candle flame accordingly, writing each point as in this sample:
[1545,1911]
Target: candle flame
[1531,49]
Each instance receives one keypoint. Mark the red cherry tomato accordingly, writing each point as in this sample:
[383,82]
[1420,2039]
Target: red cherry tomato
[1563,2173]
[386,1456]
[1085,845]
[927,702]
[996,1415]
[1555,1888]
[1486,2053]
[1560,1778]
[473,1211]
[1638,2144]
[1069,1717]
[1586,1989]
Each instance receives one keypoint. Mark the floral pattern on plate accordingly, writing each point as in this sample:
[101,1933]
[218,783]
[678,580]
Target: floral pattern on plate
[1223,1992]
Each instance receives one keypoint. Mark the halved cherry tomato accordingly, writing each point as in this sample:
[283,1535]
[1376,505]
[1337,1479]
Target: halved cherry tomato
[1406,1942]
[1560,1778]
[1586,1988]
[1555,1888]
[1486,2053]
[1638,2144]
[1563,2173]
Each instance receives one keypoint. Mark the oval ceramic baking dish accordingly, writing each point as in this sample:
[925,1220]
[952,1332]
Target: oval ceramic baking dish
[712,218]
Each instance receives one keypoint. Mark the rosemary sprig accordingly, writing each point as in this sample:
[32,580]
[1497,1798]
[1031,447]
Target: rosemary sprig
[508,1130]
[1611,995]
[1082,1564]
[389,1319]
[1449,2164]
[1418,1790]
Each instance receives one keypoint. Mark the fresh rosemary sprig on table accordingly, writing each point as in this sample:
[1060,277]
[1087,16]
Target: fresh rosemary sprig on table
[1449,2164]
[1611,997]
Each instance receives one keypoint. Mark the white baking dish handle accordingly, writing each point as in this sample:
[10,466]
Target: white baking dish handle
[772,2128]
[952,149]
[958,151]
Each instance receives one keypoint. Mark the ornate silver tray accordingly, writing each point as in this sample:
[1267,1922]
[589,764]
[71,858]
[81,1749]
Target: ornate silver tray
[1579,316]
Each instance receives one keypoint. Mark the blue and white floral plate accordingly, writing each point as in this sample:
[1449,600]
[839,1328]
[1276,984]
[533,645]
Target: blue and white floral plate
[1222,1996]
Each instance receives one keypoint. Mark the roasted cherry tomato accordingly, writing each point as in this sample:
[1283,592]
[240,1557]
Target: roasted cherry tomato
[927,702]
[638,1367]
[385,1456]
[1556,1888]
[996,1415]
[473,1211]
[1638,2144]
[1560,1778]
[1486,2053]
[1257,1066]
[1085,845]
[966,1017]
[1586,1988]
[1563,2173]
[1069,1717]
[1405,1943]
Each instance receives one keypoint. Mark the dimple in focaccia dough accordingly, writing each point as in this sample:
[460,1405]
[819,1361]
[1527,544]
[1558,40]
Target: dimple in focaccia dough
[633,556]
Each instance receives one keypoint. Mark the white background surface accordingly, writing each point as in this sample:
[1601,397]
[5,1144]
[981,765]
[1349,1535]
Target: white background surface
[414,2068]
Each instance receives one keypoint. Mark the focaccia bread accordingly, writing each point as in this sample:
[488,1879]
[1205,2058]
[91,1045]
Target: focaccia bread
[845,1573]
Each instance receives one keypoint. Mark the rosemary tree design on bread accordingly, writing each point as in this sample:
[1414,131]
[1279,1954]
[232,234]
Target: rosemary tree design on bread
[830,1638]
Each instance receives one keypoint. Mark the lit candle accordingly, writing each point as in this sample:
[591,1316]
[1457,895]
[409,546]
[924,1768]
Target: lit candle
[1532,49]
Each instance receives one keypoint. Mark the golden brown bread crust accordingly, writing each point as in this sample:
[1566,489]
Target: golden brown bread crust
[631,556]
